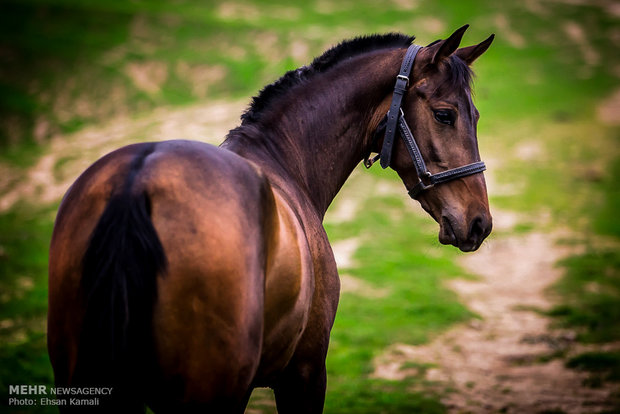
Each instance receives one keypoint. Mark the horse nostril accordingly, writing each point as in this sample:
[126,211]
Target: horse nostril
[476,231]
[447,234]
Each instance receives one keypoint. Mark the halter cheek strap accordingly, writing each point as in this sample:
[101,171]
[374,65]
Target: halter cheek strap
[395,118]
[402,82]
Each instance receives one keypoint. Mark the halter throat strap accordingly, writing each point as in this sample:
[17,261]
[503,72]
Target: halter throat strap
[395,119]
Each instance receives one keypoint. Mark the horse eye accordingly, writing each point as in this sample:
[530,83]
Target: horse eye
[445,116]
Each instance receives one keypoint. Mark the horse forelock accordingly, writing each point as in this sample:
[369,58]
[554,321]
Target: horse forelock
[458,76]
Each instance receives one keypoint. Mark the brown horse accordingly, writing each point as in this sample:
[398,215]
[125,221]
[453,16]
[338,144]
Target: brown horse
[184,275]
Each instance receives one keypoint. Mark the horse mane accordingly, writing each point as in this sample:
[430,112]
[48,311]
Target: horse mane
[343,51]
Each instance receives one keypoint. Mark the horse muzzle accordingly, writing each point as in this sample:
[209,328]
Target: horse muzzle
[466,234]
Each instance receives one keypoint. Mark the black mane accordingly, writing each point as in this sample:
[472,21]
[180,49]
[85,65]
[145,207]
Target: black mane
[345,50]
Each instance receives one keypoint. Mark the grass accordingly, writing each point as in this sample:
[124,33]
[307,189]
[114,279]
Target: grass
[416,308]
[57,67]
[605,365]
[590,292]
[68,64]
[574,178]
[24,241]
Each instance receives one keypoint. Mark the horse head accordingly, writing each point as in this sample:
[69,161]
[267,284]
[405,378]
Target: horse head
[439,107]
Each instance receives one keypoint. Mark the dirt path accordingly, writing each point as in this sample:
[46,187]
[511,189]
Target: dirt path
[507,360]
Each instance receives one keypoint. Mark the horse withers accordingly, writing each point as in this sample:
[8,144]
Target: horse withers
[183,275]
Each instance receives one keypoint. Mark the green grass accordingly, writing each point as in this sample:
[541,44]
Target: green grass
[605,219]
[24,240]
[602,367]
[56,65]
[23,262]
[399,256]
[590,292]
[604,363]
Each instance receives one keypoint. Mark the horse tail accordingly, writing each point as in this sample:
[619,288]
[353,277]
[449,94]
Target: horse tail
[119,288]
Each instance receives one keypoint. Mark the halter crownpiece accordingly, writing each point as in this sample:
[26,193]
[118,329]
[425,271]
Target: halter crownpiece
[395,118]
[402,82]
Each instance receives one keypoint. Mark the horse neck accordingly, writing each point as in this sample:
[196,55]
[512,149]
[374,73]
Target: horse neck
[316,134]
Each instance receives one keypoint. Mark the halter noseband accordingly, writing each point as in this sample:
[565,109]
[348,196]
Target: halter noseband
[395,118]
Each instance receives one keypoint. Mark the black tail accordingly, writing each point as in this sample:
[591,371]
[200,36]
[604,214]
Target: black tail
[119,285]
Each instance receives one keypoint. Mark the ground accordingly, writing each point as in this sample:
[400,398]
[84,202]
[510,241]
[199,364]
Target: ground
[511,358]
[506,361]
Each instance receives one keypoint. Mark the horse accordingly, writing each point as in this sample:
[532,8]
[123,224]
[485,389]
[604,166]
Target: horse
[183,275]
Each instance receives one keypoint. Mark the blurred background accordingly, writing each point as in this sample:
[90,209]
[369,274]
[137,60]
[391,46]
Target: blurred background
[529,323]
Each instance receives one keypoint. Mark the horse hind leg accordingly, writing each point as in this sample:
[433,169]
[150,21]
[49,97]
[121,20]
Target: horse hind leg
[301,389]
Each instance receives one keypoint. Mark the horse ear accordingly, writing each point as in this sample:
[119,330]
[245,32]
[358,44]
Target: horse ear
[471,53]
[446,47]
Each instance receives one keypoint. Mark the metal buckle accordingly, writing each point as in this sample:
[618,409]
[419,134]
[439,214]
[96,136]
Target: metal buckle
[428,177]
[368,162]
[425,187]
[405,78]
[418,188]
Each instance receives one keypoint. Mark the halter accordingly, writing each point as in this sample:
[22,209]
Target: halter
[395,118]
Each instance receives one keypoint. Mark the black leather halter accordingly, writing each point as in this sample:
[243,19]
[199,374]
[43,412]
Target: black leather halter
[395,118]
